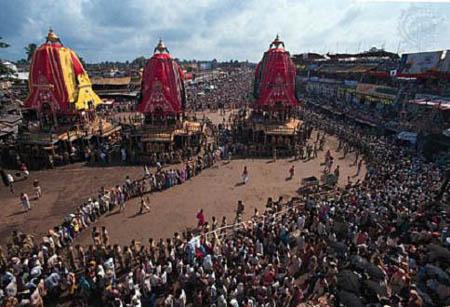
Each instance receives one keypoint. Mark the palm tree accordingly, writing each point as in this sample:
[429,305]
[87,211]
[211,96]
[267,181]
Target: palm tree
[29,50]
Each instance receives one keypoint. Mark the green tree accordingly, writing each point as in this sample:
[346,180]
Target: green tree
[29,50]
[22,62]
[140,61]
[82,62]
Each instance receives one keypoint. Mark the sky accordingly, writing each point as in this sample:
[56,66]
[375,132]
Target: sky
[120,30]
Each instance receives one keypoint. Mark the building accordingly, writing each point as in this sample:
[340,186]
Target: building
[60,110]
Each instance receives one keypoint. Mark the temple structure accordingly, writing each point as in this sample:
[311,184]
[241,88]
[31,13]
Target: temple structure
[58,83]
[272,124]
[164,128]
[162,90]
[274,86]
[60,110]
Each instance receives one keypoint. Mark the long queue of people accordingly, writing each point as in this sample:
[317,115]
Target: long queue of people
[380,242]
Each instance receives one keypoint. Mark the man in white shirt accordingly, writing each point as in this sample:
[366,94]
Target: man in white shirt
[182,298]
[10,180]
[25,201]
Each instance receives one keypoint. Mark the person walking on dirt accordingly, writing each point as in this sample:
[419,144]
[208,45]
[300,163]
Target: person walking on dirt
[25,202]
[10,180]
[143,206]
[359,167]
[37,189]
[121,198]
[244,175]
[291,172]
[200,218]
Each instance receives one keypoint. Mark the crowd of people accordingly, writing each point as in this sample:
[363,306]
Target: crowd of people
[381,241]
[59,239]
[224,91]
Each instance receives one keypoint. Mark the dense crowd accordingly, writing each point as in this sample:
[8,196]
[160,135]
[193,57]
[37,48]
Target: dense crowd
[59,239]
[225,91]
[382,241]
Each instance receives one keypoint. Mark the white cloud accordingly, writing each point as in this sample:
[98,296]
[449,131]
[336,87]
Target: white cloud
[228,29]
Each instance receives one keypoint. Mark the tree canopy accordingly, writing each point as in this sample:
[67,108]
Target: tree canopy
[140,61]
[29,50]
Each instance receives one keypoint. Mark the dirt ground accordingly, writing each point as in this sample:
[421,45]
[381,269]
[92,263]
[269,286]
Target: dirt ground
[216,190]
[63,188]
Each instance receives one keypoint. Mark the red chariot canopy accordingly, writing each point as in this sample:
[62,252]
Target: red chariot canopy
[275,78]
[162,90]
[58,81]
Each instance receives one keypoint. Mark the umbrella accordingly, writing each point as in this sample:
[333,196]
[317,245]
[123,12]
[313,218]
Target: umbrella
[349,299]
[339,247]
[377,287]
[433,270]
[436,252]
[371,269]
[349,281]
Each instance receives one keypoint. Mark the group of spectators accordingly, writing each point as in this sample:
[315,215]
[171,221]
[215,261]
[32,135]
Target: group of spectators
[226,90]
[382,241]
[31,276]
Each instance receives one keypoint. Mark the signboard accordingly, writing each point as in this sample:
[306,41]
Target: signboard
[417,63]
